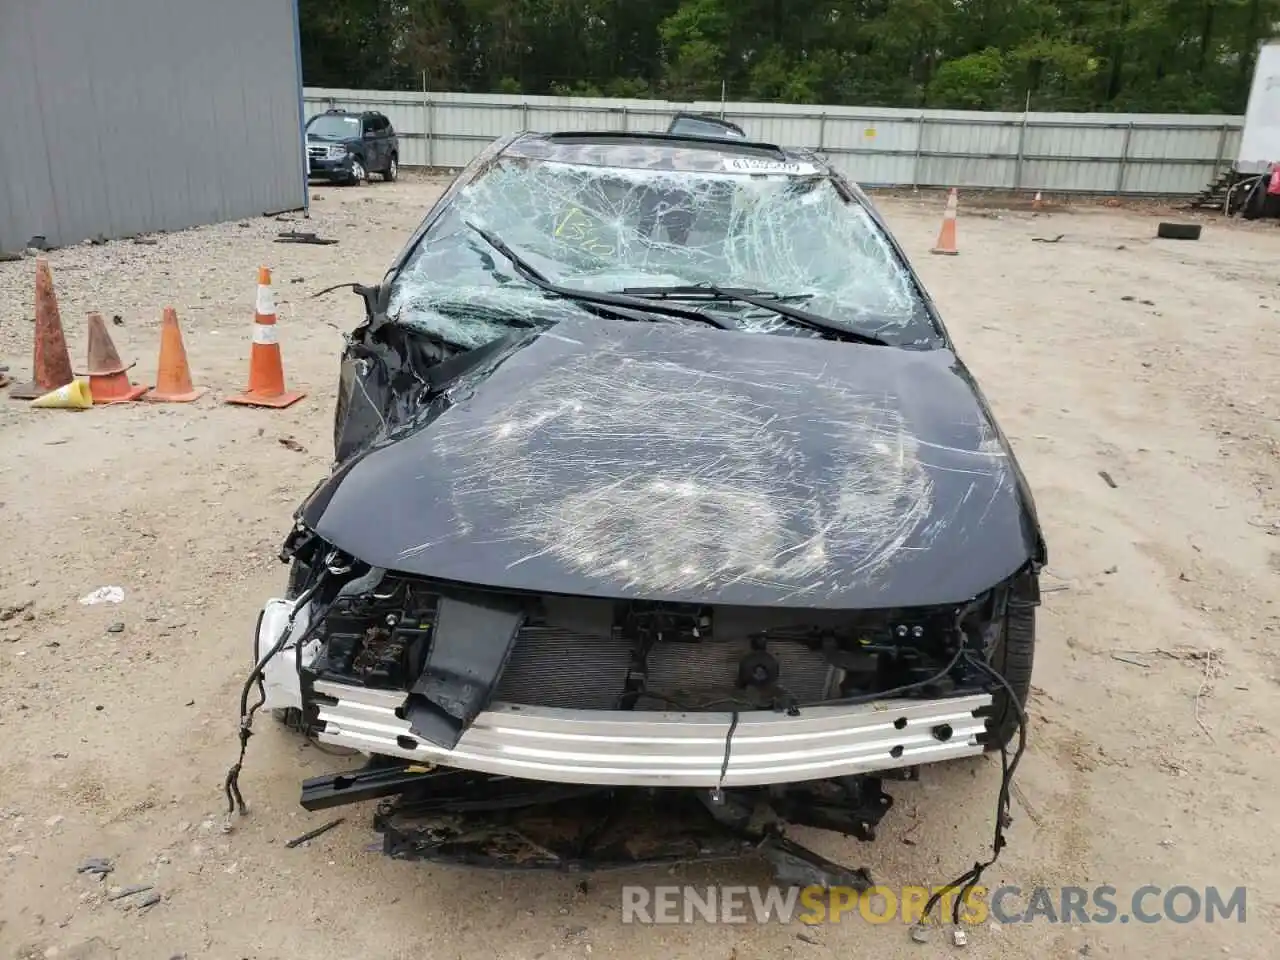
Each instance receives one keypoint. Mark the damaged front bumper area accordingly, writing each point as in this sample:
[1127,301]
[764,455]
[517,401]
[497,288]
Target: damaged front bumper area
[575,734]
[664,749]
[461,818]
[635,748]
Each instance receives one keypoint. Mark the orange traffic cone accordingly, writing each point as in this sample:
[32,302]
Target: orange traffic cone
[173,375]
[266,369]
[51,363]
[1036,203]
[947,235]
[108,377]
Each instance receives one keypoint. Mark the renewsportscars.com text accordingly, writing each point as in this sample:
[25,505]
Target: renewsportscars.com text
[1006,905]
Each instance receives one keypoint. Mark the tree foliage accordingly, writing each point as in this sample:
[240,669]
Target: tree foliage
[1193,56]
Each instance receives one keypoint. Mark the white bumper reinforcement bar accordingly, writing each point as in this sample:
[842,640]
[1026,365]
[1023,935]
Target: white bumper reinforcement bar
[633,748]
[666,749]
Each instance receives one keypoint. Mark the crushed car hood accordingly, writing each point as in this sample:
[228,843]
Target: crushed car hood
[663,462]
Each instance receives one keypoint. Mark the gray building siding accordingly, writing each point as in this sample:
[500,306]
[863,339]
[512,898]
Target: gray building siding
[141,115]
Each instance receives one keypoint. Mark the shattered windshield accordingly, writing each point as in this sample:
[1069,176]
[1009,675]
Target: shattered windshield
[654,233]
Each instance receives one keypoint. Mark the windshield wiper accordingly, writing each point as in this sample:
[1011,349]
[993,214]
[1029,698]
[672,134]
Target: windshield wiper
[529,273]
[806,318]
[772,302]
[703,292]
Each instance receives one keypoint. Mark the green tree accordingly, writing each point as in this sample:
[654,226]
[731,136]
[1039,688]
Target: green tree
[976,81]
[1131,55]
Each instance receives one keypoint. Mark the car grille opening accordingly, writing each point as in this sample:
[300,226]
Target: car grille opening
[591,654]
[555,667]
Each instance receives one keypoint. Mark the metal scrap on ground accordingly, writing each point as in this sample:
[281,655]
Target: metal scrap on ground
[312,834]
[129,891]
[292,236]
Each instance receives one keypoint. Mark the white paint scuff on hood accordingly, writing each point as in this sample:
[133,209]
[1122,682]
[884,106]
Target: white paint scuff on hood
[716,487]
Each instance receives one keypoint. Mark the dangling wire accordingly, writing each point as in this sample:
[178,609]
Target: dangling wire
[231,785]
[728,746]
[970,878]
[337,286]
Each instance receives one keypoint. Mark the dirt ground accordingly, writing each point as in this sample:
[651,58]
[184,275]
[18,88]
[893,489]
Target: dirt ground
[1156,700]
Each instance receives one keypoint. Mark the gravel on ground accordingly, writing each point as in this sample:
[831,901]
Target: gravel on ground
[1155,704]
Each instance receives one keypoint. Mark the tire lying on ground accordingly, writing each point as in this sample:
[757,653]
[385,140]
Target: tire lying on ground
[1178,231]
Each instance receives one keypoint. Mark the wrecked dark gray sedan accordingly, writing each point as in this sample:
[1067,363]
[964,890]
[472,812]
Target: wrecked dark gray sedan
[663,515]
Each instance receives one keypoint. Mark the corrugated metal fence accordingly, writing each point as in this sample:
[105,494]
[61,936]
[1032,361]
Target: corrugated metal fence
[1144,154]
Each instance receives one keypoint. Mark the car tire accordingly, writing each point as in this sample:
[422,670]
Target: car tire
[299,575]
[1013,658]
[358,173]
[299,580]
[290,717]
[1178,231]
[393,169]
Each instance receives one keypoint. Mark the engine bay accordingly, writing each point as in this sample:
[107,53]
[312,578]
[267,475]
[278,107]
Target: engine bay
[591,654]
[618,733]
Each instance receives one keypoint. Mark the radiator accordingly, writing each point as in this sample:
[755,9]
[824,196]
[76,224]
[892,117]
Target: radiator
[555,667]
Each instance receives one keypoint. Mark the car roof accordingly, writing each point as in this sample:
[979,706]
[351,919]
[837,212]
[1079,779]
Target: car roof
[659,151]
[339,112]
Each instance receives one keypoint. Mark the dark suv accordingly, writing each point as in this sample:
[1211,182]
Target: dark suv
[347,147]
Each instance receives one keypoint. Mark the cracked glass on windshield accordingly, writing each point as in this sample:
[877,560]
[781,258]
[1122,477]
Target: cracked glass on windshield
[610,229]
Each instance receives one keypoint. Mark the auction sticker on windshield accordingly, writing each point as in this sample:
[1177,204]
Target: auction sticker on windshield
[755,165]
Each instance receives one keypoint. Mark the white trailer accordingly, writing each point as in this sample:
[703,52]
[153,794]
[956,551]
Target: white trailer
[1260,140]
[1242,187]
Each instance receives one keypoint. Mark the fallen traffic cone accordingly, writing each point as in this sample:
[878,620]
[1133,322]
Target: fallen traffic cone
[108,377]
[51,363]
[173,375]
[947,235]
[72,396]
[266,369]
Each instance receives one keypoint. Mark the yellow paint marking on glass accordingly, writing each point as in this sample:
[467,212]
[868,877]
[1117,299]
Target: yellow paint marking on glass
[584,232]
